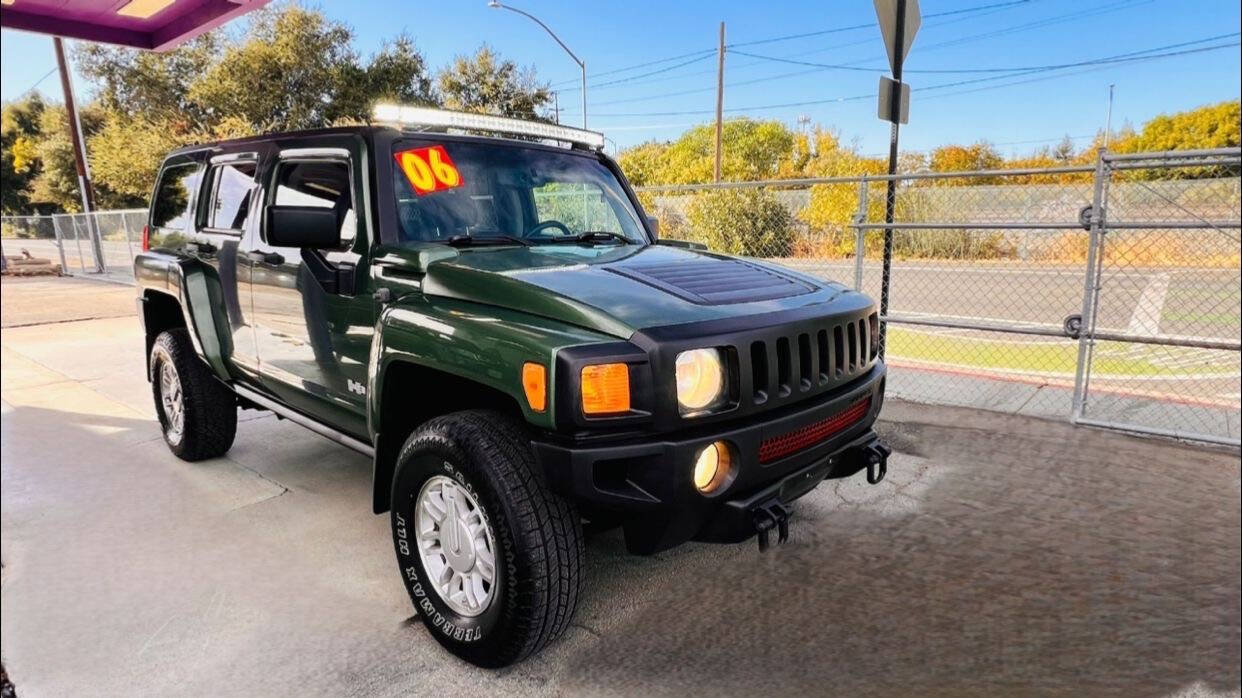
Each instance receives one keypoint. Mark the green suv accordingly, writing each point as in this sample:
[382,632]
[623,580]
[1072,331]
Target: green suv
[480,306]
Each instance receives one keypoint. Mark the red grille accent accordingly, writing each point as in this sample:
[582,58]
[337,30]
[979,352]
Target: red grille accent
[778,447]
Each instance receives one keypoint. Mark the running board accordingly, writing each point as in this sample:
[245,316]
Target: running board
[298,418]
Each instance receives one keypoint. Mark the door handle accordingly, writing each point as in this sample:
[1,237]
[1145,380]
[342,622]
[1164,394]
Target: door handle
[204,248]
[273,258]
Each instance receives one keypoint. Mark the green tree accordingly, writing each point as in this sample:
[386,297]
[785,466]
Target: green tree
[287,74]
[488,84]
[153,86]
[20,135]
[751,222]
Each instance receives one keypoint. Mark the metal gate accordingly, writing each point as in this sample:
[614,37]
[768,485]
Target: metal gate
[1163,292]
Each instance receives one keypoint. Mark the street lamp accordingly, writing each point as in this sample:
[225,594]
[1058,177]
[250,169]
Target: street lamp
[496,4]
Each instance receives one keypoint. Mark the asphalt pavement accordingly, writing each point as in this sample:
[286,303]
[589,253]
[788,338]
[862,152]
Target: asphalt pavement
[1003,554]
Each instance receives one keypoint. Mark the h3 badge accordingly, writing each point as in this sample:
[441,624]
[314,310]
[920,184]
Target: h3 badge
[356,387]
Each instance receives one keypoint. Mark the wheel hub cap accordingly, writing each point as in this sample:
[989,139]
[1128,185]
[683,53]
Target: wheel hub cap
[456,546]
[172,400]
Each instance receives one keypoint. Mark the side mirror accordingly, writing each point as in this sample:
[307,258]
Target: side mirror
[654,224]
[302,226]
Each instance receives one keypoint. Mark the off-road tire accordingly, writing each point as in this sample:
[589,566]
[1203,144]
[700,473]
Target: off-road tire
[538,537]
[209,407]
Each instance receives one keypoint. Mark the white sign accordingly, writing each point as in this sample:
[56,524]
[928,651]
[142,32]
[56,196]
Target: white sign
[885,109]
[886,12]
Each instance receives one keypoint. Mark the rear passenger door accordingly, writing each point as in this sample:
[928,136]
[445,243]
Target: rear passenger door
[314,338]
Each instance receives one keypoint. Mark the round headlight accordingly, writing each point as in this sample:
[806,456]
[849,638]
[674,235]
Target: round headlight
[700,379]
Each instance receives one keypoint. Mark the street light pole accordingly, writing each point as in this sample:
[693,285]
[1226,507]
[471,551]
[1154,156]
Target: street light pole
[581,64]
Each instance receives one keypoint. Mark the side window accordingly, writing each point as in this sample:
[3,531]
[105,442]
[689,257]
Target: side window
[171,208]
[228,203]
[319,183]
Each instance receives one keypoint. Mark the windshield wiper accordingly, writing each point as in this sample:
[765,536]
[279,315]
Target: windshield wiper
[591,236]
[471,240]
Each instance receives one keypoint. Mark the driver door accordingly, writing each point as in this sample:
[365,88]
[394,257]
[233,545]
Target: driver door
[314,336]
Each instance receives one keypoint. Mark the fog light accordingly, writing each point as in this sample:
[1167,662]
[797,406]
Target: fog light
[713,467]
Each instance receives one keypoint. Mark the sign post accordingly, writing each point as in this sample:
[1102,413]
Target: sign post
[899,22]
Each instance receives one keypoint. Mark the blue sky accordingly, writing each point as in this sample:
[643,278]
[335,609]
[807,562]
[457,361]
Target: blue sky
[1041,109]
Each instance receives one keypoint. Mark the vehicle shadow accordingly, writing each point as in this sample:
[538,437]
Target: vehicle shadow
[1046,559]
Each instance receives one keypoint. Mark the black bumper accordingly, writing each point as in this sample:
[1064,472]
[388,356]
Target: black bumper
[645,481]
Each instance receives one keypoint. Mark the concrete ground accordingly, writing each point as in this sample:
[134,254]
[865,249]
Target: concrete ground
[1003,555]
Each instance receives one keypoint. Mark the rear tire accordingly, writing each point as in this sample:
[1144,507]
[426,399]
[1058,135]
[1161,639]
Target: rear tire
[197,412]
[518,543]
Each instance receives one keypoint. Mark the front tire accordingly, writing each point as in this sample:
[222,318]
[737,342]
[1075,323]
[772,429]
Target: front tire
[491,558]
[197,413]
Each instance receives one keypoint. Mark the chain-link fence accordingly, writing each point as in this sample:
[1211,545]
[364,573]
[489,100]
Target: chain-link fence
[1106,293]
[102,242]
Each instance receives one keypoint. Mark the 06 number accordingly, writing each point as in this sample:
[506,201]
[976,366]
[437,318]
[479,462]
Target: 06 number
[429,169]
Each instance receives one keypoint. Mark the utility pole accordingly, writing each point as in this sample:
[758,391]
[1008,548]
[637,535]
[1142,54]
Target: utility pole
[79,151]
[556,104]
[1108,121]
[719,97]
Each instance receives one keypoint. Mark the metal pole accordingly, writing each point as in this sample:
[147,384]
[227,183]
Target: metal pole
[1108,122]
[582,64]
[60,247]
[890,200]
[720,58]
[1090,288]
[860,240]
[79,150]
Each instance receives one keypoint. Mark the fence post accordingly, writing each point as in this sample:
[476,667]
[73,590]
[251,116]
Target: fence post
[860,238]
[60,246]
[1090,291]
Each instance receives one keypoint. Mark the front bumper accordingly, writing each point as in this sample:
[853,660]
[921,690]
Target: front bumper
[645,481]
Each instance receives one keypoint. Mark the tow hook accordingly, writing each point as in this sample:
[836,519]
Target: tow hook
[876,454]
[769,515]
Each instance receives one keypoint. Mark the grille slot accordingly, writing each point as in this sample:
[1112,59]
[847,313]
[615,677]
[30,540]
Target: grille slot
[838,355]
[825,361]
[759,371]
[805,357]
[783,368]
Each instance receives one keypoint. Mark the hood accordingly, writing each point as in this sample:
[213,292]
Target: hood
[618,290]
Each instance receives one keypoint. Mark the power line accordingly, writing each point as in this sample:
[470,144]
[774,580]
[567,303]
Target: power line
[982,9]
[986,70]
[789,37]
[1010,72]
[1104,62]
[30,89]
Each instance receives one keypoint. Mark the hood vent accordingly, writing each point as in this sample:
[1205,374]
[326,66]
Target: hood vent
[709,281]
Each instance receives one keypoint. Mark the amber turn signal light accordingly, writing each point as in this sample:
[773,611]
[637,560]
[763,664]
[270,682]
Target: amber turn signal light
[535,384]
[605,389]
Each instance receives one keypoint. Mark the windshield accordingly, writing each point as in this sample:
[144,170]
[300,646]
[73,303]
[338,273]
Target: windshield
[446,190]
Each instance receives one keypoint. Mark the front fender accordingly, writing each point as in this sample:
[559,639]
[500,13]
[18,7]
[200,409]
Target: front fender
[481,343]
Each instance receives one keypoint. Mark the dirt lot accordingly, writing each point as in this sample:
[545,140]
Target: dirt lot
[1004,555]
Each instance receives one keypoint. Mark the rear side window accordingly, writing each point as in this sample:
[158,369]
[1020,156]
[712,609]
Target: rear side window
[228,204]
[322,184]
[171,208]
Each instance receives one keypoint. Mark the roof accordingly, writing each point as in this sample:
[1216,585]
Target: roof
[157,25]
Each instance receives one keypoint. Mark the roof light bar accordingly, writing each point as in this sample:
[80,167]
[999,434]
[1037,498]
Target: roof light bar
[423,116]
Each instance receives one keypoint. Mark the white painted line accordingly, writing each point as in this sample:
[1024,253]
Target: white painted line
[1145,319]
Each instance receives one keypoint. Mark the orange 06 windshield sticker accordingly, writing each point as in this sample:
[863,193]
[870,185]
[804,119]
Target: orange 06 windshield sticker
[429,170]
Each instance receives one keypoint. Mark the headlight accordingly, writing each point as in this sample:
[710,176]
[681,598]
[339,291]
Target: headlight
[700,380]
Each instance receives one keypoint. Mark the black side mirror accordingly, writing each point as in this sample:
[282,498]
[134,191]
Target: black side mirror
[302,226]
[653,224]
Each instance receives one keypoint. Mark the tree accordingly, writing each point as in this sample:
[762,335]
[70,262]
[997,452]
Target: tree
[20,134]
[286,74]
[487,84]
[1210,126]
[154,86]
[751,222]
[752,150]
